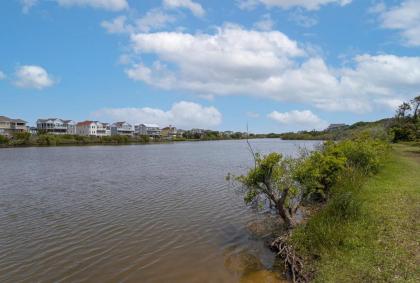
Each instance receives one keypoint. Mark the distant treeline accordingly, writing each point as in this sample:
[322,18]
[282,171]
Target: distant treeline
[405,126]
[44,139]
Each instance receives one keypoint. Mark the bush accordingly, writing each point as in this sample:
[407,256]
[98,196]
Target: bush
[320,171]
[4,139]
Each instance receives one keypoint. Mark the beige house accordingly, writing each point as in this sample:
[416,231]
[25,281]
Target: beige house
[9,126]
[169,132]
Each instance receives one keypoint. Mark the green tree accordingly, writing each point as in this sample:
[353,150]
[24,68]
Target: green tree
[272,179]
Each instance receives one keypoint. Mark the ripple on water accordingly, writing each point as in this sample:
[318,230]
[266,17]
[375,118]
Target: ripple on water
[156,213]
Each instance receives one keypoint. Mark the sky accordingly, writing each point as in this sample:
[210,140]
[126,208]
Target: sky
[276,65]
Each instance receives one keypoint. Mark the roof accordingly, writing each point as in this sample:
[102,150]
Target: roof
[53,119]
[7,119]
[151,125]
[85,123]
[118,124]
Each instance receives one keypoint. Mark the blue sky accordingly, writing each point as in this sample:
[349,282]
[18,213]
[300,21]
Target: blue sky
[278,65]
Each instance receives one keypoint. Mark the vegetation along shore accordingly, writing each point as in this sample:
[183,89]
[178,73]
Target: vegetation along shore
[351,208]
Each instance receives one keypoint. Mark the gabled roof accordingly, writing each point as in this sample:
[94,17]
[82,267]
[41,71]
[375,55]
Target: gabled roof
[119,124]
[85,123]
[7,119]
[150,125]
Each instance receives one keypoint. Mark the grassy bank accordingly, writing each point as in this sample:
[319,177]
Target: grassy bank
[373,236]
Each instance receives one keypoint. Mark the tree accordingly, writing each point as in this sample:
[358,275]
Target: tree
[402,110]
[272,179]
[415,105]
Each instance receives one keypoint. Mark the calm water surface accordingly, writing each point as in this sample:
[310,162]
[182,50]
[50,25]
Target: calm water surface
[141,213]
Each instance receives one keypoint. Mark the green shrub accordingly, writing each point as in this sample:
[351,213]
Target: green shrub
[4,139]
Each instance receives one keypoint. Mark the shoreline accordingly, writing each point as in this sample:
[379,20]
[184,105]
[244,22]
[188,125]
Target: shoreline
[82,144]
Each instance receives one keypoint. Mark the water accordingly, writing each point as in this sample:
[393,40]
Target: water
[141,213]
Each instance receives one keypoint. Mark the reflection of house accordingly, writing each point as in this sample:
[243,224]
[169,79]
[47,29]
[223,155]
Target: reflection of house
[9,126]
[121,129]
[169,132]
[151,130]
[56,126]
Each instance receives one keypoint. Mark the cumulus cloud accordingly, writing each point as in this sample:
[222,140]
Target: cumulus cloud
[154,19]
[298,119]
[301,19]
[110,5]
[269,64]
[194,7]
[404,18]
[183,114]
[265,24]
[27,5]
[30,76]
[287,4]
[2,75]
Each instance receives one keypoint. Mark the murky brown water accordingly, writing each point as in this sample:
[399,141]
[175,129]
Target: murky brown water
[151,213]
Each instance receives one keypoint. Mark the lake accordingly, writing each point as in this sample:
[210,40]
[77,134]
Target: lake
[138,213]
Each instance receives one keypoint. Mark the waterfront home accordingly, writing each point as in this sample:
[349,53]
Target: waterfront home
[336,127]
[103,129]
[93,128]
[169,132]
[151,130]
[86,128]
[56,126]
[197,131]
[122,129]
[9,126]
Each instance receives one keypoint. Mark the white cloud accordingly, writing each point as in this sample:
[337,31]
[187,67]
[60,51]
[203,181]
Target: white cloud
[117,25]
[301,19]
[194,7]
[404,18]
[183,114]
[287,4]
[265,24]
[27,5]
[154,19]
[2,75]
[30,76]
[298,119]
[234,61]
[110,5]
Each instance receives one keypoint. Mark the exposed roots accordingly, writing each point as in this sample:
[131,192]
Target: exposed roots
[292,262]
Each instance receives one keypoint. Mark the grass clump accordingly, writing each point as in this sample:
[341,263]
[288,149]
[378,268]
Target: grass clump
[368,230]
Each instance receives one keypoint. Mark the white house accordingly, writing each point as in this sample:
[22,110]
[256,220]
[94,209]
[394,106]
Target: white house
[93,128]
[86,128]
[151,130]
[122,129]
[56,126]
[103,129]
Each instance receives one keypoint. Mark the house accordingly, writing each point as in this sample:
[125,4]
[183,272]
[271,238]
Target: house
[93,128]
[151,130]
[9,126]
[86,128]
[103,129]
[198,131]
[56,126]
[122,129]
[336,127]
[169,132]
